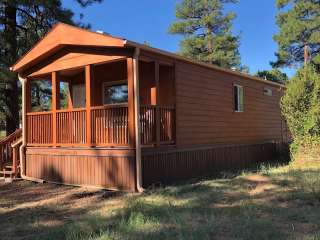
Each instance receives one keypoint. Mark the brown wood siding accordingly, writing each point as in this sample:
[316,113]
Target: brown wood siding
[166,84]
[111,169]
[169,165]
[109,72]
[205,108]
[146,81]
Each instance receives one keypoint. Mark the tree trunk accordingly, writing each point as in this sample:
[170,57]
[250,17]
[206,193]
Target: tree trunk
[12,93]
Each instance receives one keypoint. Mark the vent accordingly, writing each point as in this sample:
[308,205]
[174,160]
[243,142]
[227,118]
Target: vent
[267,92]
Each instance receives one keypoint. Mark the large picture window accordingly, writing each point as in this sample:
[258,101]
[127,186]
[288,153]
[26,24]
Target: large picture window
[115,92]
[238,98]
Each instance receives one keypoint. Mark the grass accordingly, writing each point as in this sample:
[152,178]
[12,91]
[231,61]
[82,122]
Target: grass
[272,203]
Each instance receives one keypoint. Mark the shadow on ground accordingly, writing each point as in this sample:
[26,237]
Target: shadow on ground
[281,204]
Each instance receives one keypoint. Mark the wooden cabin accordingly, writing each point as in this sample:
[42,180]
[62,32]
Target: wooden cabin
[136,115]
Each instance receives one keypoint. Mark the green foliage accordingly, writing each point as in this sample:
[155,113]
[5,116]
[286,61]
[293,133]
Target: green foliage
[301,107]
[207,32]
[299,23]
[274,75]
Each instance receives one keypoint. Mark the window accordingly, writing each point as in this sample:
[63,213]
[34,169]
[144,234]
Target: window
[115,92]
[238,98]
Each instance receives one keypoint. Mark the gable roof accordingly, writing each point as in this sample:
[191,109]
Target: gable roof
[63,34]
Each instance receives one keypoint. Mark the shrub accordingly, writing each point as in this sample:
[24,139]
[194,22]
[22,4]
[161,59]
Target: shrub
[301,107]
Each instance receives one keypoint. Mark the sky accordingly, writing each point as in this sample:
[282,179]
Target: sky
[149,20]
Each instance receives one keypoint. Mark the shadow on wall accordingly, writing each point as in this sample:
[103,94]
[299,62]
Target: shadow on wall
[117,171]
[99,169]
[51,174]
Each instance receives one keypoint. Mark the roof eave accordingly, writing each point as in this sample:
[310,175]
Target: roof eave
[181,58]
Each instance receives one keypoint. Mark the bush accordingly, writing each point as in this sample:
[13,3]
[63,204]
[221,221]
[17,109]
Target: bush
[301,107]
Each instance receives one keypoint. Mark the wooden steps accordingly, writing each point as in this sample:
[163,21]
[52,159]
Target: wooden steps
[9,156]
[8,173]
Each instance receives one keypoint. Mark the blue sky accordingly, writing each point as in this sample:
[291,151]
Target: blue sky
[148,20]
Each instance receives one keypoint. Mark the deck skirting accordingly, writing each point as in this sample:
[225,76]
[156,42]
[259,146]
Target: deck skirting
[110,169]
[166,166]
[115,168]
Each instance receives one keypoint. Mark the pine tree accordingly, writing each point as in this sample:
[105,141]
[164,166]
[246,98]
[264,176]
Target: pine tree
[299,23]
[22,23]
[207,32]
[274,75]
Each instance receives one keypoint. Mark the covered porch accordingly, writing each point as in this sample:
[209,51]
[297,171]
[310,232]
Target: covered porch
[93,105]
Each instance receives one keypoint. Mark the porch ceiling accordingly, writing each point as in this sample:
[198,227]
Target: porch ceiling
[60,36]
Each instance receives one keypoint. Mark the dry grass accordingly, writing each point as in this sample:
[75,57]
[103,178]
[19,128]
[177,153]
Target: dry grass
[275,203]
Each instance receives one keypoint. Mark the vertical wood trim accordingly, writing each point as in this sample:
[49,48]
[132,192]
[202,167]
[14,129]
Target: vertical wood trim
[55,105]
[131,122]
[27,96]
[88,79]
[174,78]
[138,165]
[157,81]
[26,108]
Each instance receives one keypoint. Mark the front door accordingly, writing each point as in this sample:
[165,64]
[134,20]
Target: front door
[79,96]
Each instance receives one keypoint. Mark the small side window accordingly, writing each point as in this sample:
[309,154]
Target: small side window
[238,98]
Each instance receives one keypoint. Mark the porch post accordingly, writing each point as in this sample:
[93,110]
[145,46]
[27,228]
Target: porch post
[27,95]
[131,106]
[88,79]
[157,77]
[55,105]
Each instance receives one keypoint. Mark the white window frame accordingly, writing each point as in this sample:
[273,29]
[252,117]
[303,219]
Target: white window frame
[110,84]
[240,109]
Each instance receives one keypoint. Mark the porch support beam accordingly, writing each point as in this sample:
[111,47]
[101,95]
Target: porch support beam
[26,107]
[157,98]
[88,80]
[131,105]
[27,96]
[55,105]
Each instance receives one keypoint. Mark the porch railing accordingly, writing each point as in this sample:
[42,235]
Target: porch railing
[148,124]
[40,128]
[167,124]
[148,121]
[109,126]
[71,127]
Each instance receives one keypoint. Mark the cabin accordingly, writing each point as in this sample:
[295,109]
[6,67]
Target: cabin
[124,116]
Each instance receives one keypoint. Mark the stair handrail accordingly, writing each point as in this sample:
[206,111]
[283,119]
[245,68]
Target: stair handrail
[5,145]
[12,137]
[15,155]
